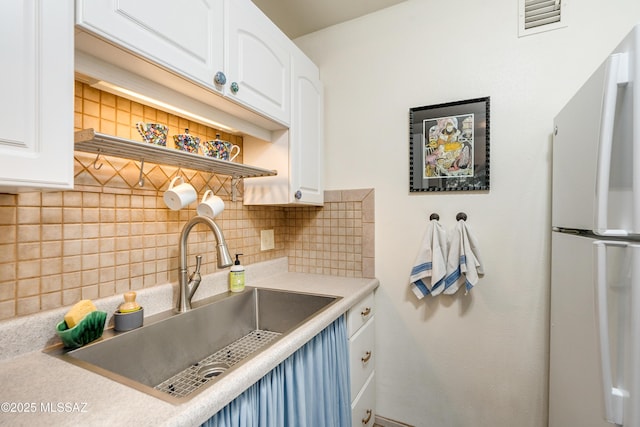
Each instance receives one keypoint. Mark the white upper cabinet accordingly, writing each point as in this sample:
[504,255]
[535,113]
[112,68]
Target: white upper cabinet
[306,138]
[297,154]
[183,36]
[36,107]
[258,69]
[227,46]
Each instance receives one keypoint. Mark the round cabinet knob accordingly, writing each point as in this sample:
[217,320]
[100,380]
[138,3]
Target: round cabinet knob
[220,78]
[234,87]
[298,195]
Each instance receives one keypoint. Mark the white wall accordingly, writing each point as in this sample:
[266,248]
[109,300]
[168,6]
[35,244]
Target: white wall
[480,359]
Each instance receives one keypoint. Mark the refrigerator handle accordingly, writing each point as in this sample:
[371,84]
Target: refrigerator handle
[613,397]
[617,73]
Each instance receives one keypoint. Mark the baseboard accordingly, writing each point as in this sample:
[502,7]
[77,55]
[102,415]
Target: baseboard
[386,422]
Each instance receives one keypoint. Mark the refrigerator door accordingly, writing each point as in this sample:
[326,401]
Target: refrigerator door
[592,368]
[593,156]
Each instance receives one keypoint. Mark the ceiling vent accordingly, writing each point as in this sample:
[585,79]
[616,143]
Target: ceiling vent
[537,16]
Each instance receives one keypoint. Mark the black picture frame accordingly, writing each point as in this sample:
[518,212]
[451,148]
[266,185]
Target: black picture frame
[449,146]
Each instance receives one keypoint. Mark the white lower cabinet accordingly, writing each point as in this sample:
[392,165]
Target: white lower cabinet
[361,329]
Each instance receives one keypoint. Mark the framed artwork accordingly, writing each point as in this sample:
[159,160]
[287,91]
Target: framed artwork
[449,146]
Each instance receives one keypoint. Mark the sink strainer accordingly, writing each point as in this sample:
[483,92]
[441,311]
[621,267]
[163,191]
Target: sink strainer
[212,370]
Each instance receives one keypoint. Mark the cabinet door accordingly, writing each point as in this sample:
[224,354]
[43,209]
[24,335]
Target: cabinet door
[183,36]
[306,149]
[36,106]
[258,62]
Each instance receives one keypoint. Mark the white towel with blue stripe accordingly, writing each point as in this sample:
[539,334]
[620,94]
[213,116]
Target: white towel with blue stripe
[430,267]
[463,260]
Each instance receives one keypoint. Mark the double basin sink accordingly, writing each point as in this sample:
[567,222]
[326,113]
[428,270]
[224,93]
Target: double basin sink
[175,356]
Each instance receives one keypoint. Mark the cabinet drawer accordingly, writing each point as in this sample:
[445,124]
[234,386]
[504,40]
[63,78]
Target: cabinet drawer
[361,356]
[363,409]
[360,313]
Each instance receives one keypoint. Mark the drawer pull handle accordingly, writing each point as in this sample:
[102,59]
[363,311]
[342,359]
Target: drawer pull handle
[365,312]
[366,357]
[366,420]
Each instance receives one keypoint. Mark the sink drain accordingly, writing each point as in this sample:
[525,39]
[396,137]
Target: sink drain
[212,370]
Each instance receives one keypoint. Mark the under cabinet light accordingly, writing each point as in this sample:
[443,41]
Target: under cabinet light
[143,99]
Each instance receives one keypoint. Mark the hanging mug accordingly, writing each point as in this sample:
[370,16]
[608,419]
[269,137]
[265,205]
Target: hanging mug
[211,205]
[179,196]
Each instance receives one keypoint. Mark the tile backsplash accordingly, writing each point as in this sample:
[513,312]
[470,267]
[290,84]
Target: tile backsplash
[109,235]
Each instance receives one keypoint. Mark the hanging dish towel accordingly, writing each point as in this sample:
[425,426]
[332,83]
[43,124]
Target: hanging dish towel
[429,269]
[463,260]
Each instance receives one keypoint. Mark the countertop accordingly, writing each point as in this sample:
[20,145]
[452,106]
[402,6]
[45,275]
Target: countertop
[39,389]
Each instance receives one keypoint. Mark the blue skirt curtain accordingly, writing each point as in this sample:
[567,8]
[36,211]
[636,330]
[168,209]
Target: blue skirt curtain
[309,389]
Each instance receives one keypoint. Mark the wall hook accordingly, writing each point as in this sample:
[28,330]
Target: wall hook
[141,176]
[434,216]
[461,216]
[234,188]
[95,162]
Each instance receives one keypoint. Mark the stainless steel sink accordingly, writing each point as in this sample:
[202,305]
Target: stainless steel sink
[175,356]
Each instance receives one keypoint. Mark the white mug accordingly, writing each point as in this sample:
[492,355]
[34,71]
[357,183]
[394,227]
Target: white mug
[211,205]
[179,196]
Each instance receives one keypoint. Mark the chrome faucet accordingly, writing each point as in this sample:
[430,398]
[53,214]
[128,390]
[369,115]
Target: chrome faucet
[188,285]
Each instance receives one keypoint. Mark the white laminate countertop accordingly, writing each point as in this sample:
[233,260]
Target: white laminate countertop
[40,389]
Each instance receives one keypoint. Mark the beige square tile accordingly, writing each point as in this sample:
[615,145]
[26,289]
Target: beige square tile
[51,283]
[7,309]
[8,199]
[90,93]
[90,278]
[7,291]
[71,296]
[90,292]
[90,231]
[90,109]
[72,280]
[107,289]
[51,300]
[28,251]
[72,215]
[72,199]
[28,269]
[52,215]
[52,199]
[28,215]
[28,305]
[51,232]
[71,264]
[51,266]
[30,199]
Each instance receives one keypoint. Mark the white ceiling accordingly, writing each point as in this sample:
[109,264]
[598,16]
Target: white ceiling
[299,17]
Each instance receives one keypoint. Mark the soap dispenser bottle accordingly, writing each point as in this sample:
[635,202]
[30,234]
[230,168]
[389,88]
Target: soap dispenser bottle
[236,276]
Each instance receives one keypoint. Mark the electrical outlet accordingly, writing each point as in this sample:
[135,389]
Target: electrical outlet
[267,240]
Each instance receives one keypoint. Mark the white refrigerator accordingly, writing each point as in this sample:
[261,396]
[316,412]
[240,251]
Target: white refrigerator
[594,371]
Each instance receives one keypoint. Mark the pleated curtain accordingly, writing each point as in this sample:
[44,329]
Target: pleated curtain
[311,388]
